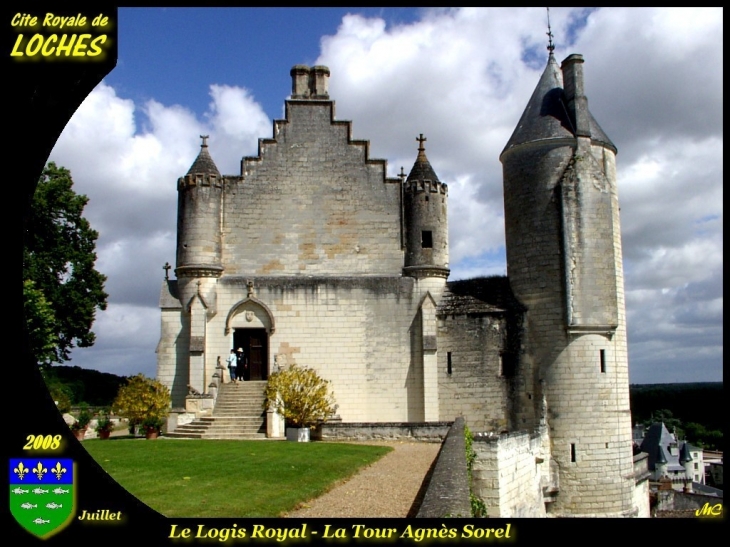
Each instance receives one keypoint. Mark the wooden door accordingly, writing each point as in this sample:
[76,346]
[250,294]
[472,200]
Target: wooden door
[255,344]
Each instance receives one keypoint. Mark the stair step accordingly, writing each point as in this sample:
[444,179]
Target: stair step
[238,414]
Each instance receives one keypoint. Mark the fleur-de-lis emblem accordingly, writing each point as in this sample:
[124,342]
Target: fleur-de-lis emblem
[21,471]
[39,470]
[58,470]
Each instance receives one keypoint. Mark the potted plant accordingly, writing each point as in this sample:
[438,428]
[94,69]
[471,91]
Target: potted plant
[81,424]
[104,426]
[302,398]
[152,426]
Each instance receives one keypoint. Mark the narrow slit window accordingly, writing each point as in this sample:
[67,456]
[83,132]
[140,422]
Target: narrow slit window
[603,360]
[448,362]
[427,239]
[572,452]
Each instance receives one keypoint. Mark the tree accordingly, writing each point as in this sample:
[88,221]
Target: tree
[62,288]
[142,399]
[300,396]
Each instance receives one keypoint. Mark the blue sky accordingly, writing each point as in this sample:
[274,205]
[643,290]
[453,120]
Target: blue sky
[461,77]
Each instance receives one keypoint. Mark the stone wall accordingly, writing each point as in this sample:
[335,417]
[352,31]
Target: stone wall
[470,375]
[427,432]
[447,493]
[510,473]
[312,203]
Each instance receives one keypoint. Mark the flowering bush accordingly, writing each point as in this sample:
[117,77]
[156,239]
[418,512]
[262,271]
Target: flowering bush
[142,399]
[300,396]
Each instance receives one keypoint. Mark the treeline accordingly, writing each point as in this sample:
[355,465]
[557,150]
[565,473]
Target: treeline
[76,386]
[694,409]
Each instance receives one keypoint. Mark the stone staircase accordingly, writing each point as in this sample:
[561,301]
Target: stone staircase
[238,414]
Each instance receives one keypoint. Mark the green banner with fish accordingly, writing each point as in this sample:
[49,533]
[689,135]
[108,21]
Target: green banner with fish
[42,494]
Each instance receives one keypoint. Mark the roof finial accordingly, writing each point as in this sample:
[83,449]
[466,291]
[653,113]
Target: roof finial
[421,139]
[551,46]
[205,139]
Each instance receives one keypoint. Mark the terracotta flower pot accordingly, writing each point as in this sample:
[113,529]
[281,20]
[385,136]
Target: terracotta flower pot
[104,434]
[79,433]
[151,433]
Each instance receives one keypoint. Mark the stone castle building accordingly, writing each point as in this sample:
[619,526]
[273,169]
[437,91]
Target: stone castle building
[313,255]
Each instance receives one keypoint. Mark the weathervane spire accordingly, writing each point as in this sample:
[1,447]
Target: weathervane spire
[551,46]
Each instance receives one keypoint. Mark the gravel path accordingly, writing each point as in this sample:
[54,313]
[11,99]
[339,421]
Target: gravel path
[390,487]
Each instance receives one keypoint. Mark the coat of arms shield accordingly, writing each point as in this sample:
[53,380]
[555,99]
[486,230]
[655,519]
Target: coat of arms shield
[42,494]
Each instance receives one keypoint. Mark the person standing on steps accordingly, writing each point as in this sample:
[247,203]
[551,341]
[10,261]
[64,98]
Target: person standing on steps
[242,364]
[232,365]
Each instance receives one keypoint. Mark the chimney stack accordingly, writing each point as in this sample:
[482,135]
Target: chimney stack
[576,101]
[310,83]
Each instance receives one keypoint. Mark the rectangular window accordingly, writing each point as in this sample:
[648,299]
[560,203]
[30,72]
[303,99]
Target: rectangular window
[448,362]
[426,239]
[603,360]
[572,452]
[697,465]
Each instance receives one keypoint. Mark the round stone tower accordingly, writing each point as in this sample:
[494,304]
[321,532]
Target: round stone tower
[199,258]
[199,216]
[564,264]
[426,228]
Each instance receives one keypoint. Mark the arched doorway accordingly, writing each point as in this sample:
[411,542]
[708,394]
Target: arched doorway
[251,323]
[255,345]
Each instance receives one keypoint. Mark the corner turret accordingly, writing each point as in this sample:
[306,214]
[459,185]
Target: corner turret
[198,229]
[426,228]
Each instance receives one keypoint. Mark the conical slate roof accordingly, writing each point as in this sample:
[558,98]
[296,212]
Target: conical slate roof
[204,164]
[422,169]
[546,115]
[684,454]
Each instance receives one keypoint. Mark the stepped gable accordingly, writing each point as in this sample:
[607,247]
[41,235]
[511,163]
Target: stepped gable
[479,295]
[313,94]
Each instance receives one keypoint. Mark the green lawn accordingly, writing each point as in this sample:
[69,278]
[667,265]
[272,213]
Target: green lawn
[217,478]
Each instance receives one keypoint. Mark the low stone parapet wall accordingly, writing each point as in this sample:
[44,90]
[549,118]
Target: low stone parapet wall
[387,431]
[447,493]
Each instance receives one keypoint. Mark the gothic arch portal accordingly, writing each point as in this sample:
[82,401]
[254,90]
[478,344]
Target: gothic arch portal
[251,324]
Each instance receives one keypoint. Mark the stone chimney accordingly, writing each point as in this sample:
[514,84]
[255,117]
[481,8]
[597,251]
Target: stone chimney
[300,82]
[575,98]
[319,82]
[310,83]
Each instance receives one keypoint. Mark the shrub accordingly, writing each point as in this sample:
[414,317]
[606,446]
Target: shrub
[478,507]
[142,398]
[152,422]
[104,423]
[300,395]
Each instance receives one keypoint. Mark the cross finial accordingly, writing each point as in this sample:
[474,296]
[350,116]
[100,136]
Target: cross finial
[402,174]
[205,140]
[551,46]
[167,267]
[421,139]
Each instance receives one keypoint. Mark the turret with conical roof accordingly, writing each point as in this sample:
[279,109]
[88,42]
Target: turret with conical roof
[564,264]
[426,229]
[198,228]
